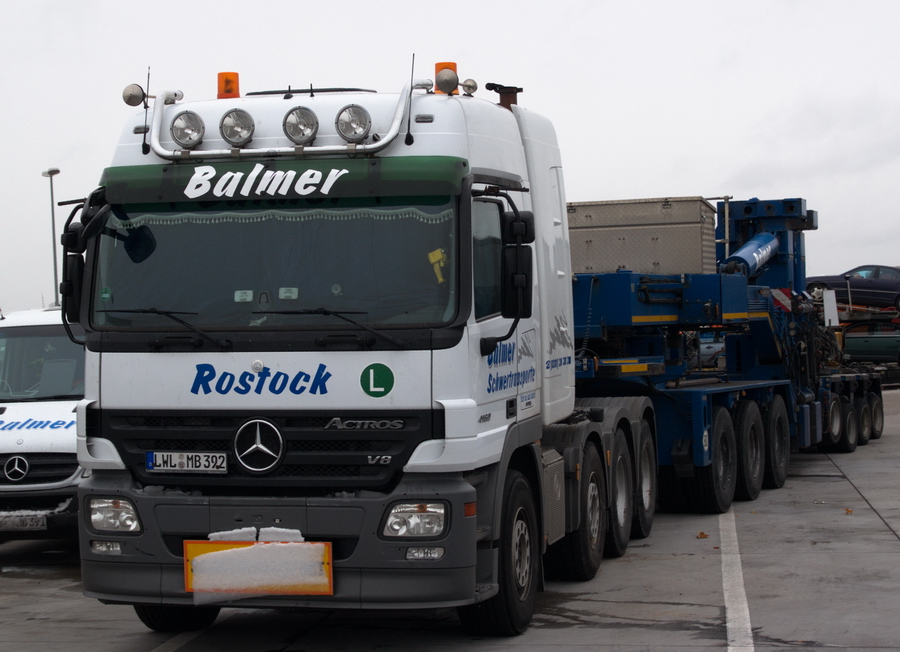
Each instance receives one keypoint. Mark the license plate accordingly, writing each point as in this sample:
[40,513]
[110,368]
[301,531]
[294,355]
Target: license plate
[174,462]
[22,523]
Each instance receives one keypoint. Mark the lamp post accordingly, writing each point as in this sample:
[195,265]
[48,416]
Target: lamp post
[51,173]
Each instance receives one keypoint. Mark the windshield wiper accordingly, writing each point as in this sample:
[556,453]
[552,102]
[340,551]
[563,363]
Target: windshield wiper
[224,345]
[340,315]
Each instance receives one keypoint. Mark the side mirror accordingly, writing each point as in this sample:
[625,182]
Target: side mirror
[516,226]
[516,275]
[70,288]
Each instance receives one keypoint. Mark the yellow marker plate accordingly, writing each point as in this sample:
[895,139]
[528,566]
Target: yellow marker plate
[269,568]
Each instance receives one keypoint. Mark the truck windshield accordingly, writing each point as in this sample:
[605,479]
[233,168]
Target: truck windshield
[283,264]
[39,363]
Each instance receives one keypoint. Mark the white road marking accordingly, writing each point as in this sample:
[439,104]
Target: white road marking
[737,611]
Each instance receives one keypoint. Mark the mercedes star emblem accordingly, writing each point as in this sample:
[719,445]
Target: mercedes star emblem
[16,468]
[258,445]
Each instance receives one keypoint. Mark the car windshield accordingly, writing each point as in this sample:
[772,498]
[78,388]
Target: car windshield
[283,264]
[39,363]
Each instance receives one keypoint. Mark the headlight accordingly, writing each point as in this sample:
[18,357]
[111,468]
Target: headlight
[237,127]
[353,123]
[300,125]
[415,520]
[188,129]
[113,515]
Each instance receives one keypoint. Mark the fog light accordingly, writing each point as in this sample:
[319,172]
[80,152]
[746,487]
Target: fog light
[113,515]
[415,520]
[424,554]
[237,127]
[106,547]
[353,123]
[187,129]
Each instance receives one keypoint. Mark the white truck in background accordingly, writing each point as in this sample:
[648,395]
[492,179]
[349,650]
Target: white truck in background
[41,381]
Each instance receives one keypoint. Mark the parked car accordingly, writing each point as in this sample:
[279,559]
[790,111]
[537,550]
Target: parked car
[872,342]
[870,285]
[710,349]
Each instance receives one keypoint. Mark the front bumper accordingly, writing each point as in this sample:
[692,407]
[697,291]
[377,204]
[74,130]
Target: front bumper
[369,570]
[56,508]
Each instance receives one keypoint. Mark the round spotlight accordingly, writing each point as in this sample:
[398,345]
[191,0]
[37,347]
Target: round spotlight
[301,125]
[353,123]
[187,129]
[236,127]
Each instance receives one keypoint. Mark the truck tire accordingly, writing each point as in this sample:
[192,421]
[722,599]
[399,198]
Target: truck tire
[645,479]
[509,612]
[751,450]
[778,444]
[877,408]
[577,556]
[714,484]
[849,428]
[863,419]
[834,419]
[621,497]
[176,617]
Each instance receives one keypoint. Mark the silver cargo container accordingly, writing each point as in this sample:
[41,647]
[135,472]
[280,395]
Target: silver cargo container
[672,235]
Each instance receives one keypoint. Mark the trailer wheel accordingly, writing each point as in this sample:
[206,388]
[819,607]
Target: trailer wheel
[849,428]
[714,484]
[509,612]
[877,408]
[863,419]
[645,484]
[751,450]
[621,497]
[577,556]
[778,444]
[834,419]
[176,617]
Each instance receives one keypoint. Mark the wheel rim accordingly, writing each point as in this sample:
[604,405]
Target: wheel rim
[852,431]
[593,507]
[877,420]
[646,479]
[621,493]
[521,553]
[834,419]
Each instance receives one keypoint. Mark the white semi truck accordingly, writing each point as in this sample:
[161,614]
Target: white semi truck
[330,342]
[41,380]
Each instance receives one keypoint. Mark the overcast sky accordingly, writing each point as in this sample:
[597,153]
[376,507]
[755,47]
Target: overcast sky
[650,98]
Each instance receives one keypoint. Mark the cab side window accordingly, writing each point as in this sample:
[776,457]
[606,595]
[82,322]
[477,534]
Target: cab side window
[486,256]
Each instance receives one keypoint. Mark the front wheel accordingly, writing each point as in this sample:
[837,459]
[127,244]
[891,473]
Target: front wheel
[817,291]
[176,617]
[509,612]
